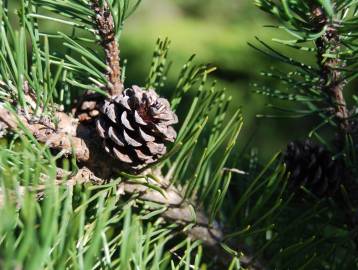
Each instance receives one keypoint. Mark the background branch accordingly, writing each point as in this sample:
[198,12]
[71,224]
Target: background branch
[329,62]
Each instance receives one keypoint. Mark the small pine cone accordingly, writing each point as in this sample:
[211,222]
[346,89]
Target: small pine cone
[313,167]
[135,126]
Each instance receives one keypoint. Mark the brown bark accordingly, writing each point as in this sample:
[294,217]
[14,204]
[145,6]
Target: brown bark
[331,81]
[67,136]
[106,29]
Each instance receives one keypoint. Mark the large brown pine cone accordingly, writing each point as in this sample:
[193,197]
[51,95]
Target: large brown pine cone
[135,126]
[312,166]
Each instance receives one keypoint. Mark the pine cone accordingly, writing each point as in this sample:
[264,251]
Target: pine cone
[135,126]
[313,167]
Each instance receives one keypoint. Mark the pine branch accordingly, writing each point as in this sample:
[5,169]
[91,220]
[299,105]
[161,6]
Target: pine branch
[106,29]
[178,210]
[68,136]
[332,82]
[328,25]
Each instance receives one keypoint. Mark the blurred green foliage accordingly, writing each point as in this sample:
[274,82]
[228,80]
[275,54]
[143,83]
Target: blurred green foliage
[218,32]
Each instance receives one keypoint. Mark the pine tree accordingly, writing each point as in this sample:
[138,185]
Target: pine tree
[98,174]
[316,228]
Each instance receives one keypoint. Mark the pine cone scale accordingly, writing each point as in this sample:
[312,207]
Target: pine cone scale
[139,120]
[102,128]
[125,121]
[115,137]
[156,148]
[121,156]
[141,155]
[110,112]
[130,141]
[146,137]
